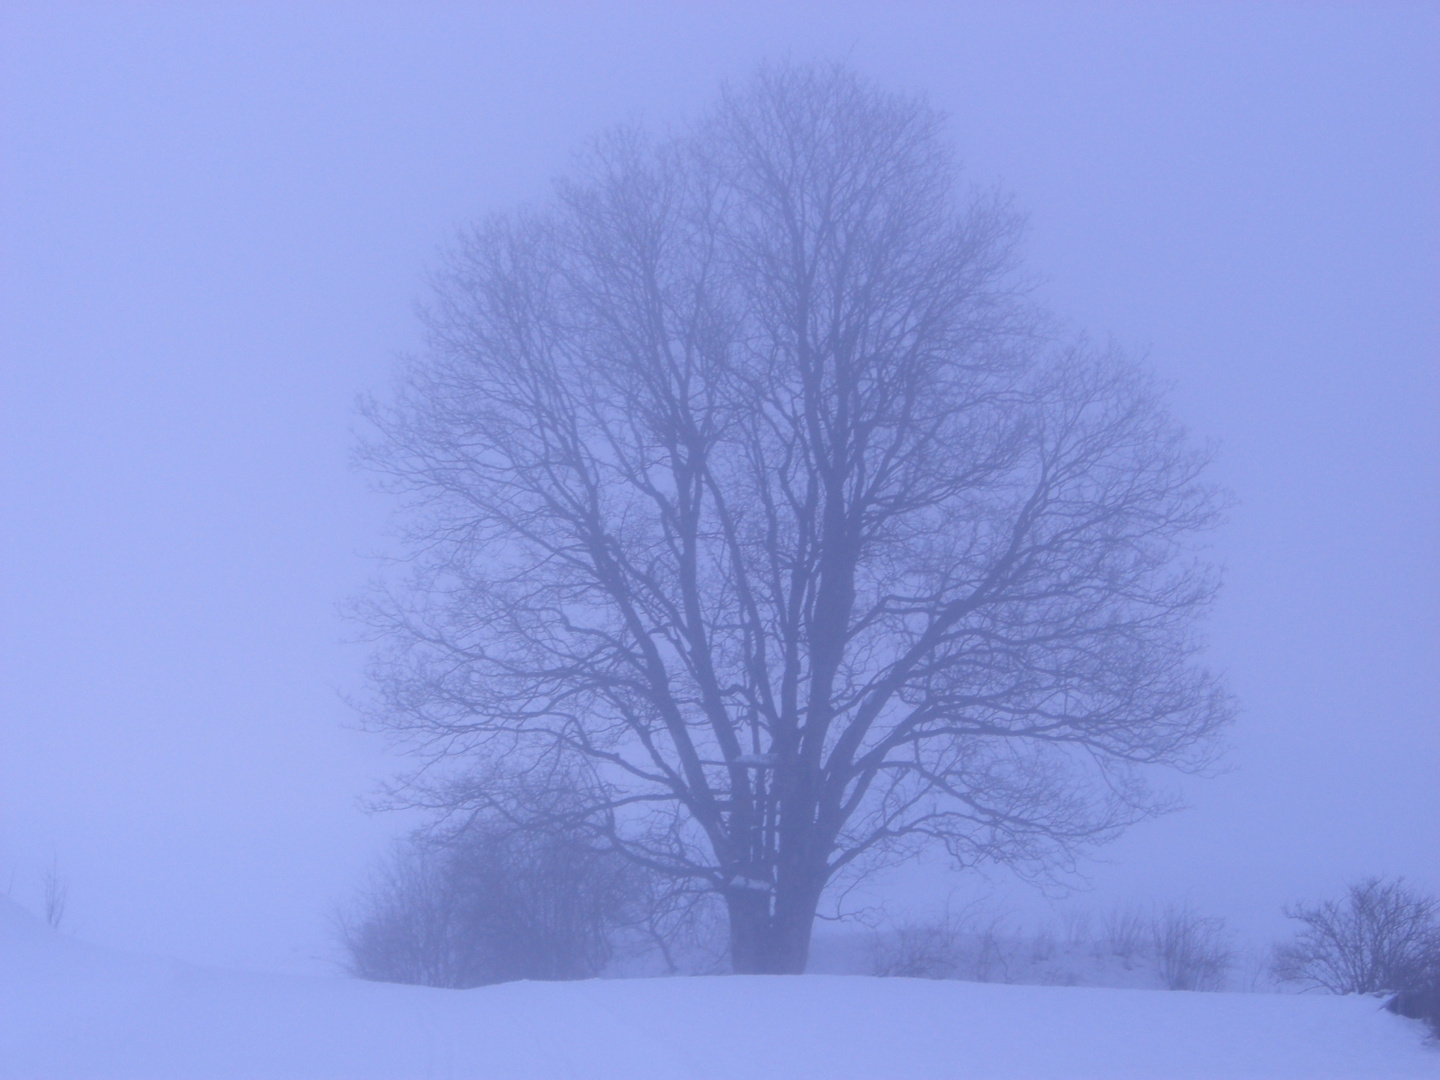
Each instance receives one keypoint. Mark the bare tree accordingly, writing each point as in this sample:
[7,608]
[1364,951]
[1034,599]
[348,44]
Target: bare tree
[746,486]
[1382,936]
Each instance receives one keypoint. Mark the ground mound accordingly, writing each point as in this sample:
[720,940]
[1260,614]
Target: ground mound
[71,1010]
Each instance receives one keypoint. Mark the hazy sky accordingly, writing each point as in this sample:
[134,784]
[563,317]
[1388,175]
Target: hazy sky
[215,220]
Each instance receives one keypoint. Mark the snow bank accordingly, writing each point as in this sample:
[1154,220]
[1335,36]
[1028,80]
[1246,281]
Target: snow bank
[72,1010]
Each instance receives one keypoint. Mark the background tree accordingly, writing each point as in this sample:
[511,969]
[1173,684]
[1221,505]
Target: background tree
[748,494]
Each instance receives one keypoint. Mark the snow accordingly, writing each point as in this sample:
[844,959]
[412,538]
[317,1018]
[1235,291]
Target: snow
[68,1009]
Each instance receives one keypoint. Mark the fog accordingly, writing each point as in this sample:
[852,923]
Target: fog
[216,220]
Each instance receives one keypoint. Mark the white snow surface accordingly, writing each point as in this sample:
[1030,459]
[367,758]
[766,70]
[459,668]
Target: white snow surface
[68,1009]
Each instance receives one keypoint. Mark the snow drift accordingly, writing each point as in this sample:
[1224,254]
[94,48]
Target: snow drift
[72,1010]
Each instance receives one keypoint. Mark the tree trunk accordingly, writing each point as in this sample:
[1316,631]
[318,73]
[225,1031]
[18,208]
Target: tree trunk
[763,942]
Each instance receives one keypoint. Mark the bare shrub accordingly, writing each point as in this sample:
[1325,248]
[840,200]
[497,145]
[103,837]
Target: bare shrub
[407,927]
[988,962]
[1076,923]
[920,949]
[1042,946]
[543,904]
[1257,966]
[1382,936]
[949,946]
[1126,932]
[489,905]
[1192,949]
[57,894]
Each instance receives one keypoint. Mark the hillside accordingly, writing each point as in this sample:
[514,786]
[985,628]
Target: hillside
[72,1010]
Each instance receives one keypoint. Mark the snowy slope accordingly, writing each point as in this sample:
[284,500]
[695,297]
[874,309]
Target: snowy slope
[72,1010]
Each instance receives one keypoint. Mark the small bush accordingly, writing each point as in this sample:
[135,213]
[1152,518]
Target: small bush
[1192,950]
[1257,970]
[1381,937]
[920,949]
[1126,931]
[491,905]
[1042,946]
[950,946]
[1076,923]
[988,962]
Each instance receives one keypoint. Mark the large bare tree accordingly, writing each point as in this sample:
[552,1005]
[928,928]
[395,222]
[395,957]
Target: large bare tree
[751,499]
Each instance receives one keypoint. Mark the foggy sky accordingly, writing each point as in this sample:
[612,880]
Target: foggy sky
[215,220]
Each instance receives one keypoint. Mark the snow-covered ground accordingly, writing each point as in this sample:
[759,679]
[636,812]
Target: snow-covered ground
[68,1009]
